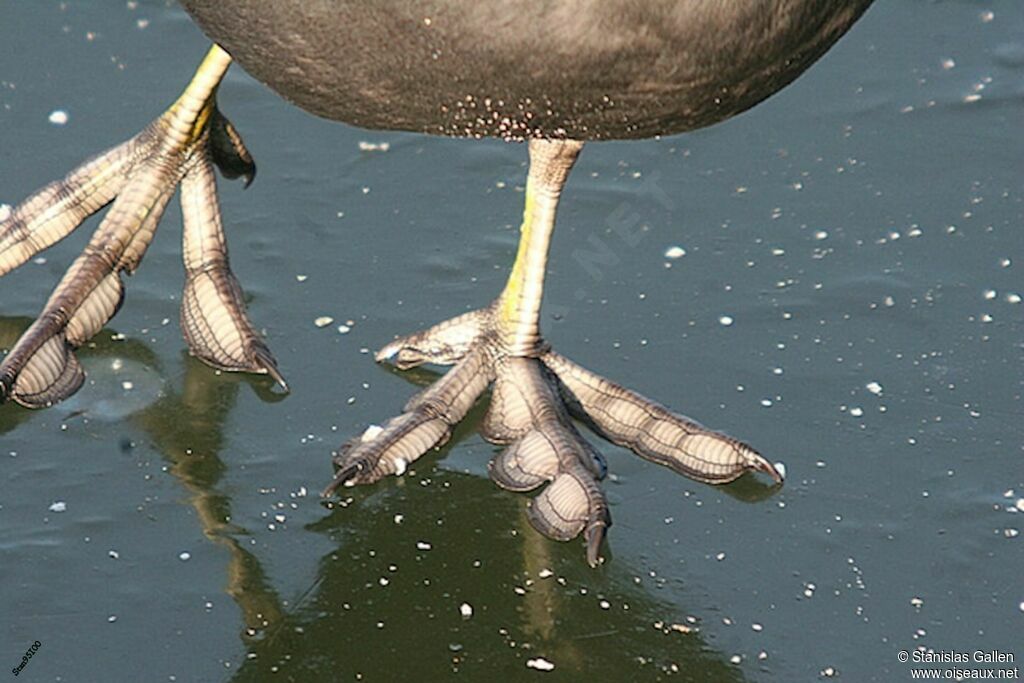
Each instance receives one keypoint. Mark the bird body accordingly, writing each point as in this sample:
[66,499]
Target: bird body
[579,69]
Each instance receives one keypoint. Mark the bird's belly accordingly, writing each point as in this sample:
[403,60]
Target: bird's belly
[589,69]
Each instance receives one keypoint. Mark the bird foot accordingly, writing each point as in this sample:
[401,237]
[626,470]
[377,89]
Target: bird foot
[139,177]
[533,400]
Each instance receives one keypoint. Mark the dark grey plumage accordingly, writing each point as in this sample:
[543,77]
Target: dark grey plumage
[580,69]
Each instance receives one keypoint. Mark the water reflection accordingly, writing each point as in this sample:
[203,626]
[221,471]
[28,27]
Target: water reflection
[188,430]
[444,565]
[437,563]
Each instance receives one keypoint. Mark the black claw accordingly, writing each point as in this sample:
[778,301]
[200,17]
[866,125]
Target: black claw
[343,475]
[266,360]
[595,534]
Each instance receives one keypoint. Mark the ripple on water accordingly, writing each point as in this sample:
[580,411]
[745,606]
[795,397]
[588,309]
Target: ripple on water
[114,388]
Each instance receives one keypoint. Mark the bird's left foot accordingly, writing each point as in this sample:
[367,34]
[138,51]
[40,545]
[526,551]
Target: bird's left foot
[534,398]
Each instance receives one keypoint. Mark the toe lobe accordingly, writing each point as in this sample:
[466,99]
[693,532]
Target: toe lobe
[650,430]
[214,321]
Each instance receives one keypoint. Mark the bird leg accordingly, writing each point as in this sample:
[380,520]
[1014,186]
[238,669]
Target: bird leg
[535,396]
[138,177]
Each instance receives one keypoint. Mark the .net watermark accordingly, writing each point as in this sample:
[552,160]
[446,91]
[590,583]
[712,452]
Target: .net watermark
[967,665]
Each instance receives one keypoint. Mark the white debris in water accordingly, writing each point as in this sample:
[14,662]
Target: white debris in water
[540,664]
[383,581]
[423,545]
[58,506]
[399,518]
[675,252]
[374,146]
[371,433]
[1021,605]
[545,573]
[916,601]
[987,16]
[400,466]
[948,63]
[720,556]
[344,329]
[184,556]
[280,519]
[5,211]
[725,320]
[58,117]
[874,387]
[112,618]
[604,604]
[1013,298]
[323,321]
[757,627]
[780,467]
[301,278]
[127,385]
[828,672]
[466,610]
[113,554]
[1020,504]
[766,402]
[856,411]
[736,659]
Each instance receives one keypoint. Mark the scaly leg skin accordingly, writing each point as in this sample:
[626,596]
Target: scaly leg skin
[536,394]
[139,177]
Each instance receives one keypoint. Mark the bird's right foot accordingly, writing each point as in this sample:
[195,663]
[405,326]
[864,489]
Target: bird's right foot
[139,177]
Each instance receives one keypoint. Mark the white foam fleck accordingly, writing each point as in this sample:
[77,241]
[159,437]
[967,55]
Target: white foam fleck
[58,117]
[58,506]
[323,321]
[542,664]
[371,433]
[874,387]
[466,610]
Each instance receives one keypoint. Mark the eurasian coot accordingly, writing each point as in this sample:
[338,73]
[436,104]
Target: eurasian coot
[555,73]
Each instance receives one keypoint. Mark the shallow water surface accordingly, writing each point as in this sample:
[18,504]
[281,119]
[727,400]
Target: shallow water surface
[845,294]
